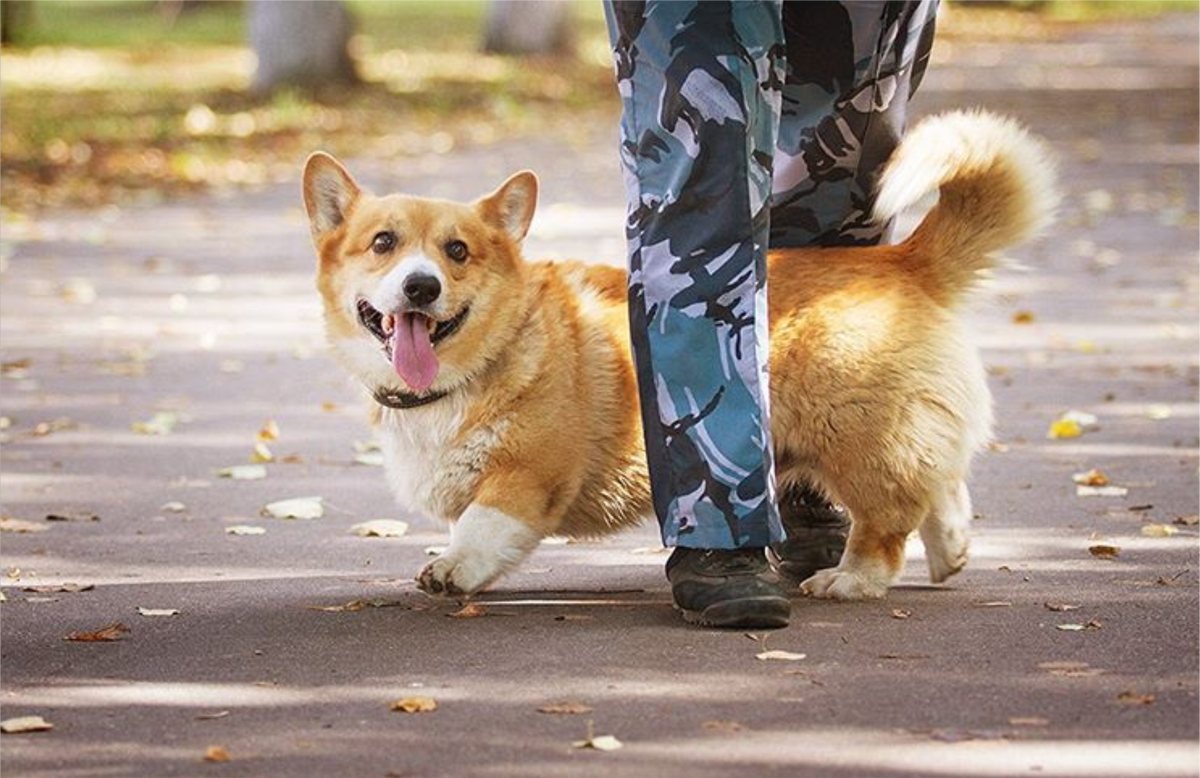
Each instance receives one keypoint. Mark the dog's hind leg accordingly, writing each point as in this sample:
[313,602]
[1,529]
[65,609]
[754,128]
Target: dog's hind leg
[945,532]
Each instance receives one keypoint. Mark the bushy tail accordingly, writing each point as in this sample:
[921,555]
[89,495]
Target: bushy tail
[995,183]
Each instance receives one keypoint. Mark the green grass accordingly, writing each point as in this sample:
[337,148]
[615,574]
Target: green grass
[403,24]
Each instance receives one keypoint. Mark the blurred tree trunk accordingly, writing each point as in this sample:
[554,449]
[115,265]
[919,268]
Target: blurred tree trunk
[300,44]
[521,27]
[15,17]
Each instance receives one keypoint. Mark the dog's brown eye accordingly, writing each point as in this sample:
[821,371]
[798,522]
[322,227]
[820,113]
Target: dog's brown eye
[457,250]
[383,242]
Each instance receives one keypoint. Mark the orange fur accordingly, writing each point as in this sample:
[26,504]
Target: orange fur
[878,396]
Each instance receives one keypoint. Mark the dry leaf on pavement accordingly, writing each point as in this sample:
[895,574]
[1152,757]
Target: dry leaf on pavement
[1159,531]
[260,453]
[783,656]
[243,472]
[1092,477]
[369,458]
[20,724]
[1027,721]
[1100,491]
[599,743]
[295,508]
[174,506]
[1130,697]
[901,613]
[158,611]
[9,524]
[1061,607]
[380,528]
[107,634]
[216,754]
[269,431]
[220,714]
[68,587]
[414,705]
[472,610]
[161,423]
[1104,550]
[245,529]
[566,708]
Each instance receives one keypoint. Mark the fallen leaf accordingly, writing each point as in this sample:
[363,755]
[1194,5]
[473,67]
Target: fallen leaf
[3,597]
[245,529]
[993,604]
[269,431]
[599,743]
[329,407]
[295,508]
[44,428]
[1064,429]
[261,453]
[216,754]
[1023,317]
[380,528]
[1130,697]
[243,472]
[109,634]
[1061,607]
[1186,521]
[566,708]
[369,458]
[1092,477]
[211,716]
[1027,721]
[1104,550]
[722,726]
[81,516]
[9,524]
[21,724]
[784,656]
[1091,625]
[1158,412]
[161,423]
[472,610]
[173,507]
[901,613]
[574,617]
[1159,531]
[355,605]
[62,587]
[158,611]
[1101,491]
[414,705]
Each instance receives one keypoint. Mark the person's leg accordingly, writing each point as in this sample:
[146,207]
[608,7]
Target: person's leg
[851,69]
[700,86]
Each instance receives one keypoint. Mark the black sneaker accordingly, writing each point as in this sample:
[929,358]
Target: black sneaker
[815,534]
[727,588]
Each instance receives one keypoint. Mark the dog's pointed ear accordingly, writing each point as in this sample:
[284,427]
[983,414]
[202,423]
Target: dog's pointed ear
[329,192]
[511,206]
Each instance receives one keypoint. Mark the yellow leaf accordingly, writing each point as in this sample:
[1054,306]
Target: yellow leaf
[1159,531]
[1091,478]
[269,431]
[1064,429]
[216,754]
[261,453]
[414,705]
[21,724]
[1023,317]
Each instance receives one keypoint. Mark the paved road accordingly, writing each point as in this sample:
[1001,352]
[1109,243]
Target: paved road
[205,309]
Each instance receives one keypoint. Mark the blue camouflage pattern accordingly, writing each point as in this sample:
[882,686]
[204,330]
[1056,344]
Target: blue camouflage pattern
[745,125]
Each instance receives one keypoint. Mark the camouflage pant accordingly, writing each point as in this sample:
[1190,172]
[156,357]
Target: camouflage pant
[745,125]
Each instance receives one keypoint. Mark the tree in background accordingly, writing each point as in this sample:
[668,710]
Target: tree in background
[516,27]
[300,44]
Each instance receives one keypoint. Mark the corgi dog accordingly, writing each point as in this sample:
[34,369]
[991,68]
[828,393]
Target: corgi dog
[503,390]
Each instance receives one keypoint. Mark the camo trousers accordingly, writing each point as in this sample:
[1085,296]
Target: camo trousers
[745,125]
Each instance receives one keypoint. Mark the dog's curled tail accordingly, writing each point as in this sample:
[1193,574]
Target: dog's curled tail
[995,183]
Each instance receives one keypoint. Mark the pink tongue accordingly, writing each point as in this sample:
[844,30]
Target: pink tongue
[412,352]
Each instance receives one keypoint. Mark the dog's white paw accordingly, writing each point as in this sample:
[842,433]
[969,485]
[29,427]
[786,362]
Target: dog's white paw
[452,575]
[837,583]
[947,556]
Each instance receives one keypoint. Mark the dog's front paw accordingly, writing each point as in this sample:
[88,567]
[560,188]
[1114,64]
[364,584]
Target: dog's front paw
[837,583]
[452,575]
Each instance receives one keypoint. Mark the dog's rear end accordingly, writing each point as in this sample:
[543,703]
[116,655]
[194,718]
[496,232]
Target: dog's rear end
[878,395]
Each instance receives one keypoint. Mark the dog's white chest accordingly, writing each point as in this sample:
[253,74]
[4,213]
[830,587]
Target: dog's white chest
[432,463]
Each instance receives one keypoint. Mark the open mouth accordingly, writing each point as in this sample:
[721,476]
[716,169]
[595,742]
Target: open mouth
[383,325]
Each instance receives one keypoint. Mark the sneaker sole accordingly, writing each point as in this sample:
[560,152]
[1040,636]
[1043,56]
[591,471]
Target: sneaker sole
[748,613]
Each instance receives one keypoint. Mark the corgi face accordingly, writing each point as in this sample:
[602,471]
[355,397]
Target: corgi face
[415,290]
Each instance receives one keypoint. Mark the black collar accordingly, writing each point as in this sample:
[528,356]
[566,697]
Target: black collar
[395,398]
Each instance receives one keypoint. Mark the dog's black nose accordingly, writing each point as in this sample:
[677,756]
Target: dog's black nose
[422,289]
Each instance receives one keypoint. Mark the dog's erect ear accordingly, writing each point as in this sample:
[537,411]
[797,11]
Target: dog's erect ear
[511,206]
[329,191]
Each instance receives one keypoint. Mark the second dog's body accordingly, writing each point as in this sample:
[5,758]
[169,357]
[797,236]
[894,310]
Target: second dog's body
[524,420]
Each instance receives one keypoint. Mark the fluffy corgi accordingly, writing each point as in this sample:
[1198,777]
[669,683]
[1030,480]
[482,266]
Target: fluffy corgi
[503,390]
